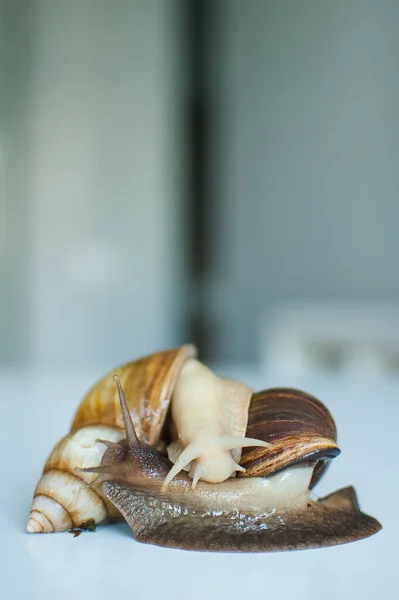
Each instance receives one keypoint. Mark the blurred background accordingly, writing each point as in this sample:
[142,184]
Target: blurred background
[218,172]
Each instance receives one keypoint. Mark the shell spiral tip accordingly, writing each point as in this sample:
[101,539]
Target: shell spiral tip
[38,524]
[47,515]
[32,526]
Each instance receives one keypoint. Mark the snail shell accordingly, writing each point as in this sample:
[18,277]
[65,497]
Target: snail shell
[299,427]
[62,498]
[148,384]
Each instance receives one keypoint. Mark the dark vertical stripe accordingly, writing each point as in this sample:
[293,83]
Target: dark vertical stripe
[198,185]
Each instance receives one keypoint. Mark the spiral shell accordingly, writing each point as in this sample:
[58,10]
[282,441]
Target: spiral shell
[300,428]
[62,498]
[148,384]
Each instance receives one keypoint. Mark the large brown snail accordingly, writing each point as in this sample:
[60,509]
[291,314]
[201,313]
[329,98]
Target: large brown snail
[195,461]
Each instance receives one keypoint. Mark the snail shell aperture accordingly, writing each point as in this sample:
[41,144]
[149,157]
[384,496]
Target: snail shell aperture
[117,461]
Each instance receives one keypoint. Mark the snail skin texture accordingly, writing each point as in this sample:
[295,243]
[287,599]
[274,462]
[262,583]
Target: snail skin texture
[192,460]
[247,515]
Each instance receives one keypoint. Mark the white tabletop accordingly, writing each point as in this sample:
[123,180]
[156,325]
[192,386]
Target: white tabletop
[37,410]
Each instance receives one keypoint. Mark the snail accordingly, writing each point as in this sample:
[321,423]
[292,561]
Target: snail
[65,498]
[261,499]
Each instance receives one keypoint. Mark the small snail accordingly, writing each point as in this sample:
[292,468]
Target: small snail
[215,496]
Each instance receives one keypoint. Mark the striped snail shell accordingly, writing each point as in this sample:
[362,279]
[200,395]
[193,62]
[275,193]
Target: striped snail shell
[299,427]
[62,498]
[148,383]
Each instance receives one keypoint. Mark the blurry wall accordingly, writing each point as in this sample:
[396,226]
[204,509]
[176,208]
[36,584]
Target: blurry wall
[14,204]
[304,161]
[92,260]
[302,127]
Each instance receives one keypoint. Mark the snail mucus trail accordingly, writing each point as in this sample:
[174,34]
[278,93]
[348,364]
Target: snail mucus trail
[250,514]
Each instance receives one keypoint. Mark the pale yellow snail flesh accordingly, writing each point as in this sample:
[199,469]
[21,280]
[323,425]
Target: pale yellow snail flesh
[210,414]
[285,489]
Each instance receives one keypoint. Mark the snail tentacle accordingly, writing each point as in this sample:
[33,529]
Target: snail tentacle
[130,431]
[198,471]
[210,457]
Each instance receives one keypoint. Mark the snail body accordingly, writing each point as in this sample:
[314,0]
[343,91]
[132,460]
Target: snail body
[144,470]
[210,415]
[335,519]
[252,514]
[192,460]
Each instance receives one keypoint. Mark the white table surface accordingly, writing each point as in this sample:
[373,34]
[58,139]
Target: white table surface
[36,411]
